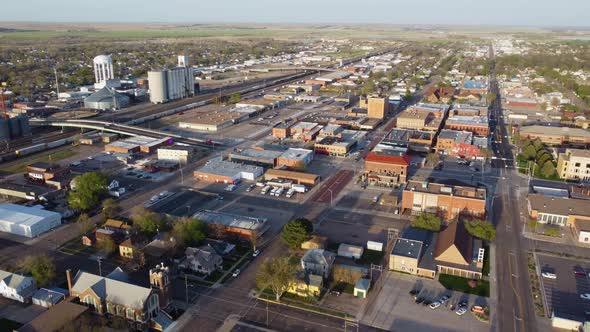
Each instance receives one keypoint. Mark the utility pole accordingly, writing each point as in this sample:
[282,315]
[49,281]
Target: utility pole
[99,260]
[56,81]
[186,289]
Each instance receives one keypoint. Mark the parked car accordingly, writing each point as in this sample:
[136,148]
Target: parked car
[548,275]
[585,296]
[461,311]
[462,304]
[443,299]
[251,187]
[256,253]
[426,302]
[434,305]
[231,187]
[236,273]
[419,300]
[579,273]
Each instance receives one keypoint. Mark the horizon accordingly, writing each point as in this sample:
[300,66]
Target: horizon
[502,13]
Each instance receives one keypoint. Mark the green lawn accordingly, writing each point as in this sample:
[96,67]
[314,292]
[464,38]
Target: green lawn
[20,166]
[461,285]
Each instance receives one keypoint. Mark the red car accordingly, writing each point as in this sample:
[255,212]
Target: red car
[579,273]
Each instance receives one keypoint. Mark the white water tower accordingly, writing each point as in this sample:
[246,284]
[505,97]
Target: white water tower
[103,69]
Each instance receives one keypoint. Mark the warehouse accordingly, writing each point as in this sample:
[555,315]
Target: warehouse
[295,158]
[217,170]
[264,158]
[27,221]
[137,143]
[106,99]
[214,121]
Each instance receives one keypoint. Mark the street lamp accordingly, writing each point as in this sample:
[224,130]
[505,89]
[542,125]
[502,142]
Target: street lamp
[330,190]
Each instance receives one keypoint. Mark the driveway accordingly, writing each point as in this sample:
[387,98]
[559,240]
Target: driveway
[395,310]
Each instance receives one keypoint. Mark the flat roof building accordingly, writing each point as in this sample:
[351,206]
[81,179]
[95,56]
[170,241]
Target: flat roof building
[297,177]
[27,221]
[240,225]
[476,124]
[264,158]
[295,158]
[217,170]
[214,121]
[556,135]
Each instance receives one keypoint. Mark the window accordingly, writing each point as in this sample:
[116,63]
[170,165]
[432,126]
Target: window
[91,302]
[110,308]
[577,164]
[130,313]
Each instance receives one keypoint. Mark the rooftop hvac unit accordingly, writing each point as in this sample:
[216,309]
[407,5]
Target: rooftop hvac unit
[447,190]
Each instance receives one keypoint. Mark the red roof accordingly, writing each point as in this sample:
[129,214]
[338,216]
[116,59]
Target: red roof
[382,158]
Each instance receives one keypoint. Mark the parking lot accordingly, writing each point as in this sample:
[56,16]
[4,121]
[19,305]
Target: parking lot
[395,309]
[182,202]
[562,294]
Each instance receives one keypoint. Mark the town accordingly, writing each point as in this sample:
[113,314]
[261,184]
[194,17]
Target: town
[323,183]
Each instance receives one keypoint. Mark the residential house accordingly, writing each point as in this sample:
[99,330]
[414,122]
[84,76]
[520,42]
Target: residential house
[17,287]
[48,297]
[56,318]
[440,94]
[318,262]
[126,248]
[117,226]
[306,285]
[222,248]
[202,260]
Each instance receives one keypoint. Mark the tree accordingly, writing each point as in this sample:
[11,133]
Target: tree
[235,98]
[88,190]
[147,221]
[529,152]
[548,169]
[432,158]
[189,232]
[110,208]
[481,229]
[428,221]
[347,275]
[277,274]
[41,268]
[84,223]
[108,246]
[296,232]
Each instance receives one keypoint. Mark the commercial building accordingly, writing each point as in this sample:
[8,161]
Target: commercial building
[176,154]
[217,170]
[555,135]
[574,164]
[439,94]
[27,221]
[412,253]
[297,177]
[562,211]
[386,168]
[263,158]
[414,140]
[331,130]
[214,121]
[377,107]
[448,201]
[171,84]
[241,226]
[43,171]
[409,119]
[106,99]
[457,143]
[305,131]
[476,124]
[295,158]
[137,144]
[318,262]
[282,130]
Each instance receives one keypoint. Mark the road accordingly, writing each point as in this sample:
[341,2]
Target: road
[514,307]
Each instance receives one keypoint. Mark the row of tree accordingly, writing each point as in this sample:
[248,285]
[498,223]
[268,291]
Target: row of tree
[477,228]
[536,152]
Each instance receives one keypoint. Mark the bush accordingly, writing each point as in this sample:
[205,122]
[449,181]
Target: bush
[427,221]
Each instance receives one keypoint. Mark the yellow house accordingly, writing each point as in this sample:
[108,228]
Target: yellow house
[126,249]
[307,285]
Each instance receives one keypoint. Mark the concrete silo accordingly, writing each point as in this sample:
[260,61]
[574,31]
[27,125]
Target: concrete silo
[4,129]
[14,127]
[25,128]
[157,81]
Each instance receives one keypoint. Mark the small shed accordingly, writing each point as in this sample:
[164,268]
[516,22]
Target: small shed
[46,297]
[350,251]
[362,288]
[376,246]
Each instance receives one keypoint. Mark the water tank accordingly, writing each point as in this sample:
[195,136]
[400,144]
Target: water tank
[4,129]
[158,87]
[14,126]
[25,128]
[103,68]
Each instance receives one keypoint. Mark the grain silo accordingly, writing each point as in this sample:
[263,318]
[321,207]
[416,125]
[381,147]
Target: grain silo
[158,86]
[4,129]
[14,127]
[25,128]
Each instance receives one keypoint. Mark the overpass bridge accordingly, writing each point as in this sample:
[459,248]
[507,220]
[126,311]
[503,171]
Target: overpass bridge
[123,129]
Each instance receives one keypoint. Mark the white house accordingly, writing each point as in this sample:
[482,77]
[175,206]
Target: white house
[16,287]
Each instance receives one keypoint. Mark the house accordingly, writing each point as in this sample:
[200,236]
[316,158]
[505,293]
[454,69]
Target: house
[126,248]
[318,262]
[113,295]
[16,287]
[222,248]
[350,251]
[361,288]
[306,285]
[117,226]
[48,297]
[202,260]
[440,94]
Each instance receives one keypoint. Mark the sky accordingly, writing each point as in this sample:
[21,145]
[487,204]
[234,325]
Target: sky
[447,12]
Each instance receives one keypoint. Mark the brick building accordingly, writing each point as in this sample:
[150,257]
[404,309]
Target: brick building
[386,168]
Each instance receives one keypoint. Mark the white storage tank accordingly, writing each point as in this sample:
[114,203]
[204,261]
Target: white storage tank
[158,86]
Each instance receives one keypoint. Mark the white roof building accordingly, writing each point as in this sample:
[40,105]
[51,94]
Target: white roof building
[27,221]
[16,287]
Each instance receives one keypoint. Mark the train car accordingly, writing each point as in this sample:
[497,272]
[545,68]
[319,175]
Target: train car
[30,150]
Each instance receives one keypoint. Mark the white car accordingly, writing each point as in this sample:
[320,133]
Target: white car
[585,296]
[236,273]
[256,253]
[548,275]
[461,311]
[434,305]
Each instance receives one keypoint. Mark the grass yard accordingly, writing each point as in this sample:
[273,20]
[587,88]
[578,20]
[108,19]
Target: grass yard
[76,247]
[48,156]
[462,285]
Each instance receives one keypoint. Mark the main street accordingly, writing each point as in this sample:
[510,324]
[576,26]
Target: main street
[514,308]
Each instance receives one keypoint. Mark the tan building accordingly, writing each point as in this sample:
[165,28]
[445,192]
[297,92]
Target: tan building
[386,169]
[411,253]
[560,211]
[297,177]
[574,164]
[412,120]
[555,135]
[377,107]
[282,130]
[448,201]
[295,158]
